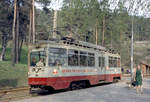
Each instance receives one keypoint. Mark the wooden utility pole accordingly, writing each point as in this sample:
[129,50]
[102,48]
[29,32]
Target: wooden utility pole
[14,34]
[33,20]
[54,24]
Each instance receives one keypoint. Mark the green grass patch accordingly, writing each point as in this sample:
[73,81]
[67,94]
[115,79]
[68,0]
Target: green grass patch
[12,76]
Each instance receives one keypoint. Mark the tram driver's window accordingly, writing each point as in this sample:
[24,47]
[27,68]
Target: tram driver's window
[37,58]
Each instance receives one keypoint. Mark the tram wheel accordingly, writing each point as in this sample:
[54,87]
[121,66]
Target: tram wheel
[73,86]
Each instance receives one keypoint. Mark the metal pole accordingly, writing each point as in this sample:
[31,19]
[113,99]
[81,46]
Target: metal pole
[132,48]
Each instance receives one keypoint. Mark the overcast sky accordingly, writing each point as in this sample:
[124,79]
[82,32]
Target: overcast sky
[55,4]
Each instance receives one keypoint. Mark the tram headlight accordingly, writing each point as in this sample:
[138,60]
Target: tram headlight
[115,70]
[28,73]
[55,71]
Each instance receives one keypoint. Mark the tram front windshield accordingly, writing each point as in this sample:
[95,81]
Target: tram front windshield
[57,57]
[37,58]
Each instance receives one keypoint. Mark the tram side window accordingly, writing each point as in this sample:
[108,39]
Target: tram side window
[101,62]
[57,56]
[111,62]
[37,58]
[115,61]
[73,58]
[91,59]
[83,58]
[118,62]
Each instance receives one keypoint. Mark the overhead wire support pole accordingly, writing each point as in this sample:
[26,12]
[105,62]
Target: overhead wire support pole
[132,38]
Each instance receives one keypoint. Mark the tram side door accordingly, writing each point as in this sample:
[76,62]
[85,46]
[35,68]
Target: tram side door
[102,64]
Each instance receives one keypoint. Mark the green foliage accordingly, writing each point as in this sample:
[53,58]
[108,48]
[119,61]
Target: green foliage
[24,58]
[44,24]
[81,17]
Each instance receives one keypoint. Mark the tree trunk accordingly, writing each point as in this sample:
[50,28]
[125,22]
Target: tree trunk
[96,36]
[13,35]
[30,27]
[103,38]
[120,42]
[54,24]
[111,39]
[17,35]
[33,21]
[20,48]
[4,44]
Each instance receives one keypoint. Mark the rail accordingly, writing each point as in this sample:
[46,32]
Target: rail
[13,94]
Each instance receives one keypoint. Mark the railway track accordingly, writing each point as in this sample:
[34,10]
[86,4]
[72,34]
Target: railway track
[14,94]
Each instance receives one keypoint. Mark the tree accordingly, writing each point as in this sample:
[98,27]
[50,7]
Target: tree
[5,25]
[20,23]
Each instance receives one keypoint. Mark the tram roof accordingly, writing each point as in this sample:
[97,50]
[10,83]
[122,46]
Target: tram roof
[76,43]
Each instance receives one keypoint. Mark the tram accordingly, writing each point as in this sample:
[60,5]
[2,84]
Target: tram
[70,64]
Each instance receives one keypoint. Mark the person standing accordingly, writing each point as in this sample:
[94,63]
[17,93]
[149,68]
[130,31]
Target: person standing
[139,80]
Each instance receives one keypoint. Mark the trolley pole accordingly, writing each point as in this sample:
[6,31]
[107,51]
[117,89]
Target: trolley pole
[132,48]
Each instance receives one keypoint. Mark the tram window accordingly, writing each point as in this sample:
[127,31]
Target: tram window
[118,62]
[111,62]
[115,61]
[101,62]
[57,56]
[83,58]
[73,58]
[91,59]
[37,58]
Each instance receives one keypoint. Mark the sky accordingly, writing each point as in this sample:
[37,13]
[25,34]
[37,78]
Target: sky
[55,4]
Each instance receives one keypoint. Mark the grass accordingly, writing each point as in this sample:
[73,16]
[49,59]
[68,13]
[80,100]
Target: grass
[13,76]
